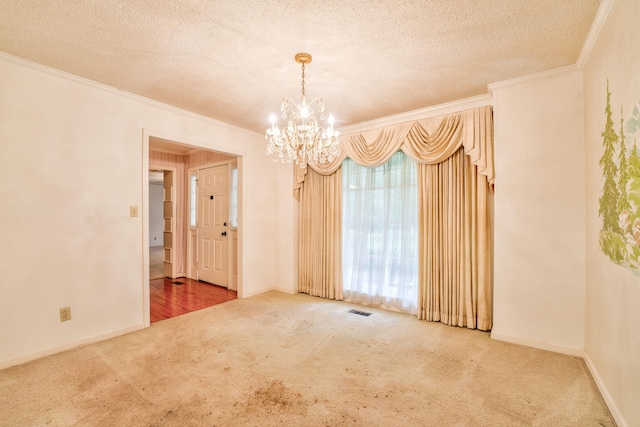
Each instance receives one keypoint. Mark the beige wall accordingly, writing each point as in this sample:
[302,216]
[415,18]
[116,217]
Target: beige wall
[539,211]
[71,164]
[612,341]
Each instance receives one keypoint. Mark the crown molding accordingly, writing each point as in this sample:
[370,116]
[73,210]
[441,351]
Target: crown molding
[594,32]
[423,113]
[5,57]
[532,77]
[177,153]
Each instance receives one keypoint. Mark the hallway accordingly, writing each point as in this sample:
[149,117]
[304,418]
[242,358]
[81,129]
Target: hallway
[173,297]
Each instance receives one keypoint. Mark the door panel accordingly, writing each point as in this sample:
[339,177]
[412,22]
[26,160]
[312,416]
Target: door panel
[212,214]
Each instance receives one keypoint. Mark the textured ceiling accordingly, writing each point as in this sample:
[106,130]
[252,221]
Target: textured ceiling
[232,60]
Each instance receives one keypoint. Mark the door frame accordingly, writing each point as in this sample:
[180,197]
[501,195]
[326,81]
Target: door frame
[174,180]
[144,284]
[232,254]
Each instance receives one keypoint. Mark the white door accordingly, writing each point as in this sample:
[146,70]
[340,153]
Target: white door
[212,218]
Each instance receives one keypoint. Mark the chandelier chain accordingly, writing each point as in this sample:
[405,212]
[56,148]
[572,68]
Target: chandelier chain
[302,139]
[303,81]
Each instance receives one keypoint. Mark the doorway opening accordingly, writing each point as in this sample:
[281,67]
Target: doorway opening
[173,239]
[157,224]
[213,223]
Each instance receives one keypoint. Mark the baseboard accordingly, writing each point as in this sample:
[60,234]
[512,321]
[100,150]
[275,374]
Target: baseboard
[284,290]
[264,291]
[53,350]
[537,344]
[611,404]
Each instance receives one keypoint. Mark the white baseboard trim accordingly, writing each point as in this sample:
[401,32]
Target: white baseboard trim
[611,404]
[284,290]
[264,291]
[537,344]
[53,350]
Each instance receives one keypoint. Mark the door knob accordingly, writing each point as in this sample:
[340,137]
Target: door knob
[224,233]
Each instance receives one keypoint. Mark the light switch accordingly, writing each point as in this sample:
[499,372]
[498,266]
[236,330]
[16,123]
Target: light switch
[133,211]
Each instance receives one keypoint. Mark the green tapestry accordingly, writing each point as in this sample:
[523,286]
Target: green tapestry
[620,199]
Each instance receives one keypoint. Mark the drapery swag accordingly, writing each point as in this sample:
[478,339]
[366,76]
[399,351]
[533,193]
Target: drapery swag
[455,175]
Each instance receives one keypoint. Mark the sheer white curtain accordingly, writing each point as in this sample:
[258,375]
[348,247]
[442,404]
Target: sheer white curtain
[380,233]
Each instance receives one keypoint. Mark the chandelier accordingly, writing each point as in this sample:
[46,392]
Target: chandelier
[302,139]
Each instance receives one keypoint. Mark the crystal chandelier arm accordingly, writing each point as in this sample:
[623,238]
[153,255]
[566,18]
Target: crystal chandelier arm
[319,104]
[302,139]
[288,104]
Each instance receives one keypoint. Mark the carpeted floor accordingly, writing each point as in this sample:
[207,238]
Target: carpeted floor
[278,359]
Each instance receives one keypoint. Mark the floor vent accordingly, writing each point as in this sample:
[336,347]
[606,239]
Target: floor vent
[361,313]
[177,282]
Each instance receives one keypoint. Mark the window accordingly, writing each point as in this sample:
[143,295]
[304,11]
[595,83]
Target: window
[379,233]
[233,197]
[193,186]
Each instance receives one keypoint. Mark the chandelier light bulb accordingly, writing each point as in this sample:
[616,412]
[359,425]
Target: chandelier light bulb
[302,139]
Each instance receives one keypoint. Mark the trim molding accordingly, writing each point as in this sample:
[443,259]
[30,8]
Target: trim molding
[113,90]
[423,113]
[53,350]
[175,152]
[531,77]
[537,344]
[271,289]
[608,400]
[597,25]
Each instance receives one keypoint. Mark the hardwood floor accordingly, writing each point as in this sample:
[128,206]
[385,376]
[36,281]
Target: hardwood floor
[173,297]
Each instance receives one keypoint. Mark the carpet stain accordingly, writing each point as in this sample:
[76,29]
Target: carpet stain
[335,374]
[277,398]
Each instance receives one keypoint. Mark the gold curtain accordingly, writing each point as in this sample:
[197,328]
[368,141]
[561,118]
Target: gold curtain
[455,275]
[320,235]
[455,153]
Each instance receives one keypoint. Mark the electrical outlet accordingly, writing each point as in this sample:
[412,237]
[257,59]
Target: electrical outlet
[65,314]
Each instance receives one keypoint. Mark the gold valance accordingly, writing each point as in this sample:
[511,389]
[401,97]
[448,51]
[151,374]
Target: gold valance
[427,141]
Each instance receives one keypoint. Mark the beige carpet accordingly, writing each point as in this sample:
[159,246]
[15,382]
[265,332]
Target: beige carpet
[278,359]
